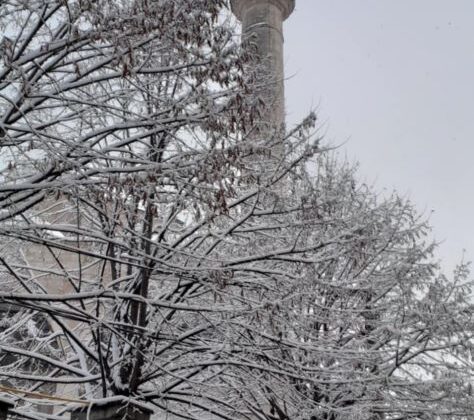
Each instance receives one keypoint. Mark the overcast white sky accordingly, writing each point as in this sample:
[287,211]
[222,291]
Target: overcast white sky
[394,81]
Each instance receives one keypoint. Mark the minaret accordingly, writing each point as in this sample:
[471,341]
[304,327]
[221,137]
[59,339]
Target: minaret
[263,21]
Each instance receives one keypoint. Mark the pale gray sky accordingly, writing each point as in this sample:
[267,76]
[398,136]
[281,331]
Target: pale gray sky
[394,79]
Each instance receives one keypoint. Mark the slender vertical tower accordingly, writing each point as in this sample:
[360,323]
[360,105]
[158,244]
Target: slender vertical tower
[263,21]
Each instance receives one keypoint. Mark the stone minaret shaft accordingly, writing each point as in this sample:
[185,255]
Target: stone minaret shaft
[263,21]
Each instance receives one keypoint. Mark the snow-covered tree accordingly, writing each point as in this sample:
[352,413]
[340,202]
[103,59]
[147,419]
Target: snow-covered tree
[181,264]
[370,324]
[124,146]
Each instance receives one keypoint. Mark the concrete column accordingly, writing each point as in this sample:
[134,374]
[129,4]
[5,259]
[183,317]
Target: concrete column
[262,20]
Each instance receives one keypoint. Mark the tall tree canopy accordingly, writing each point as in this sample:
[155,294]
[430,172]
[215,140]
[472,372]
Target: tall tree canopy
[154,249]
